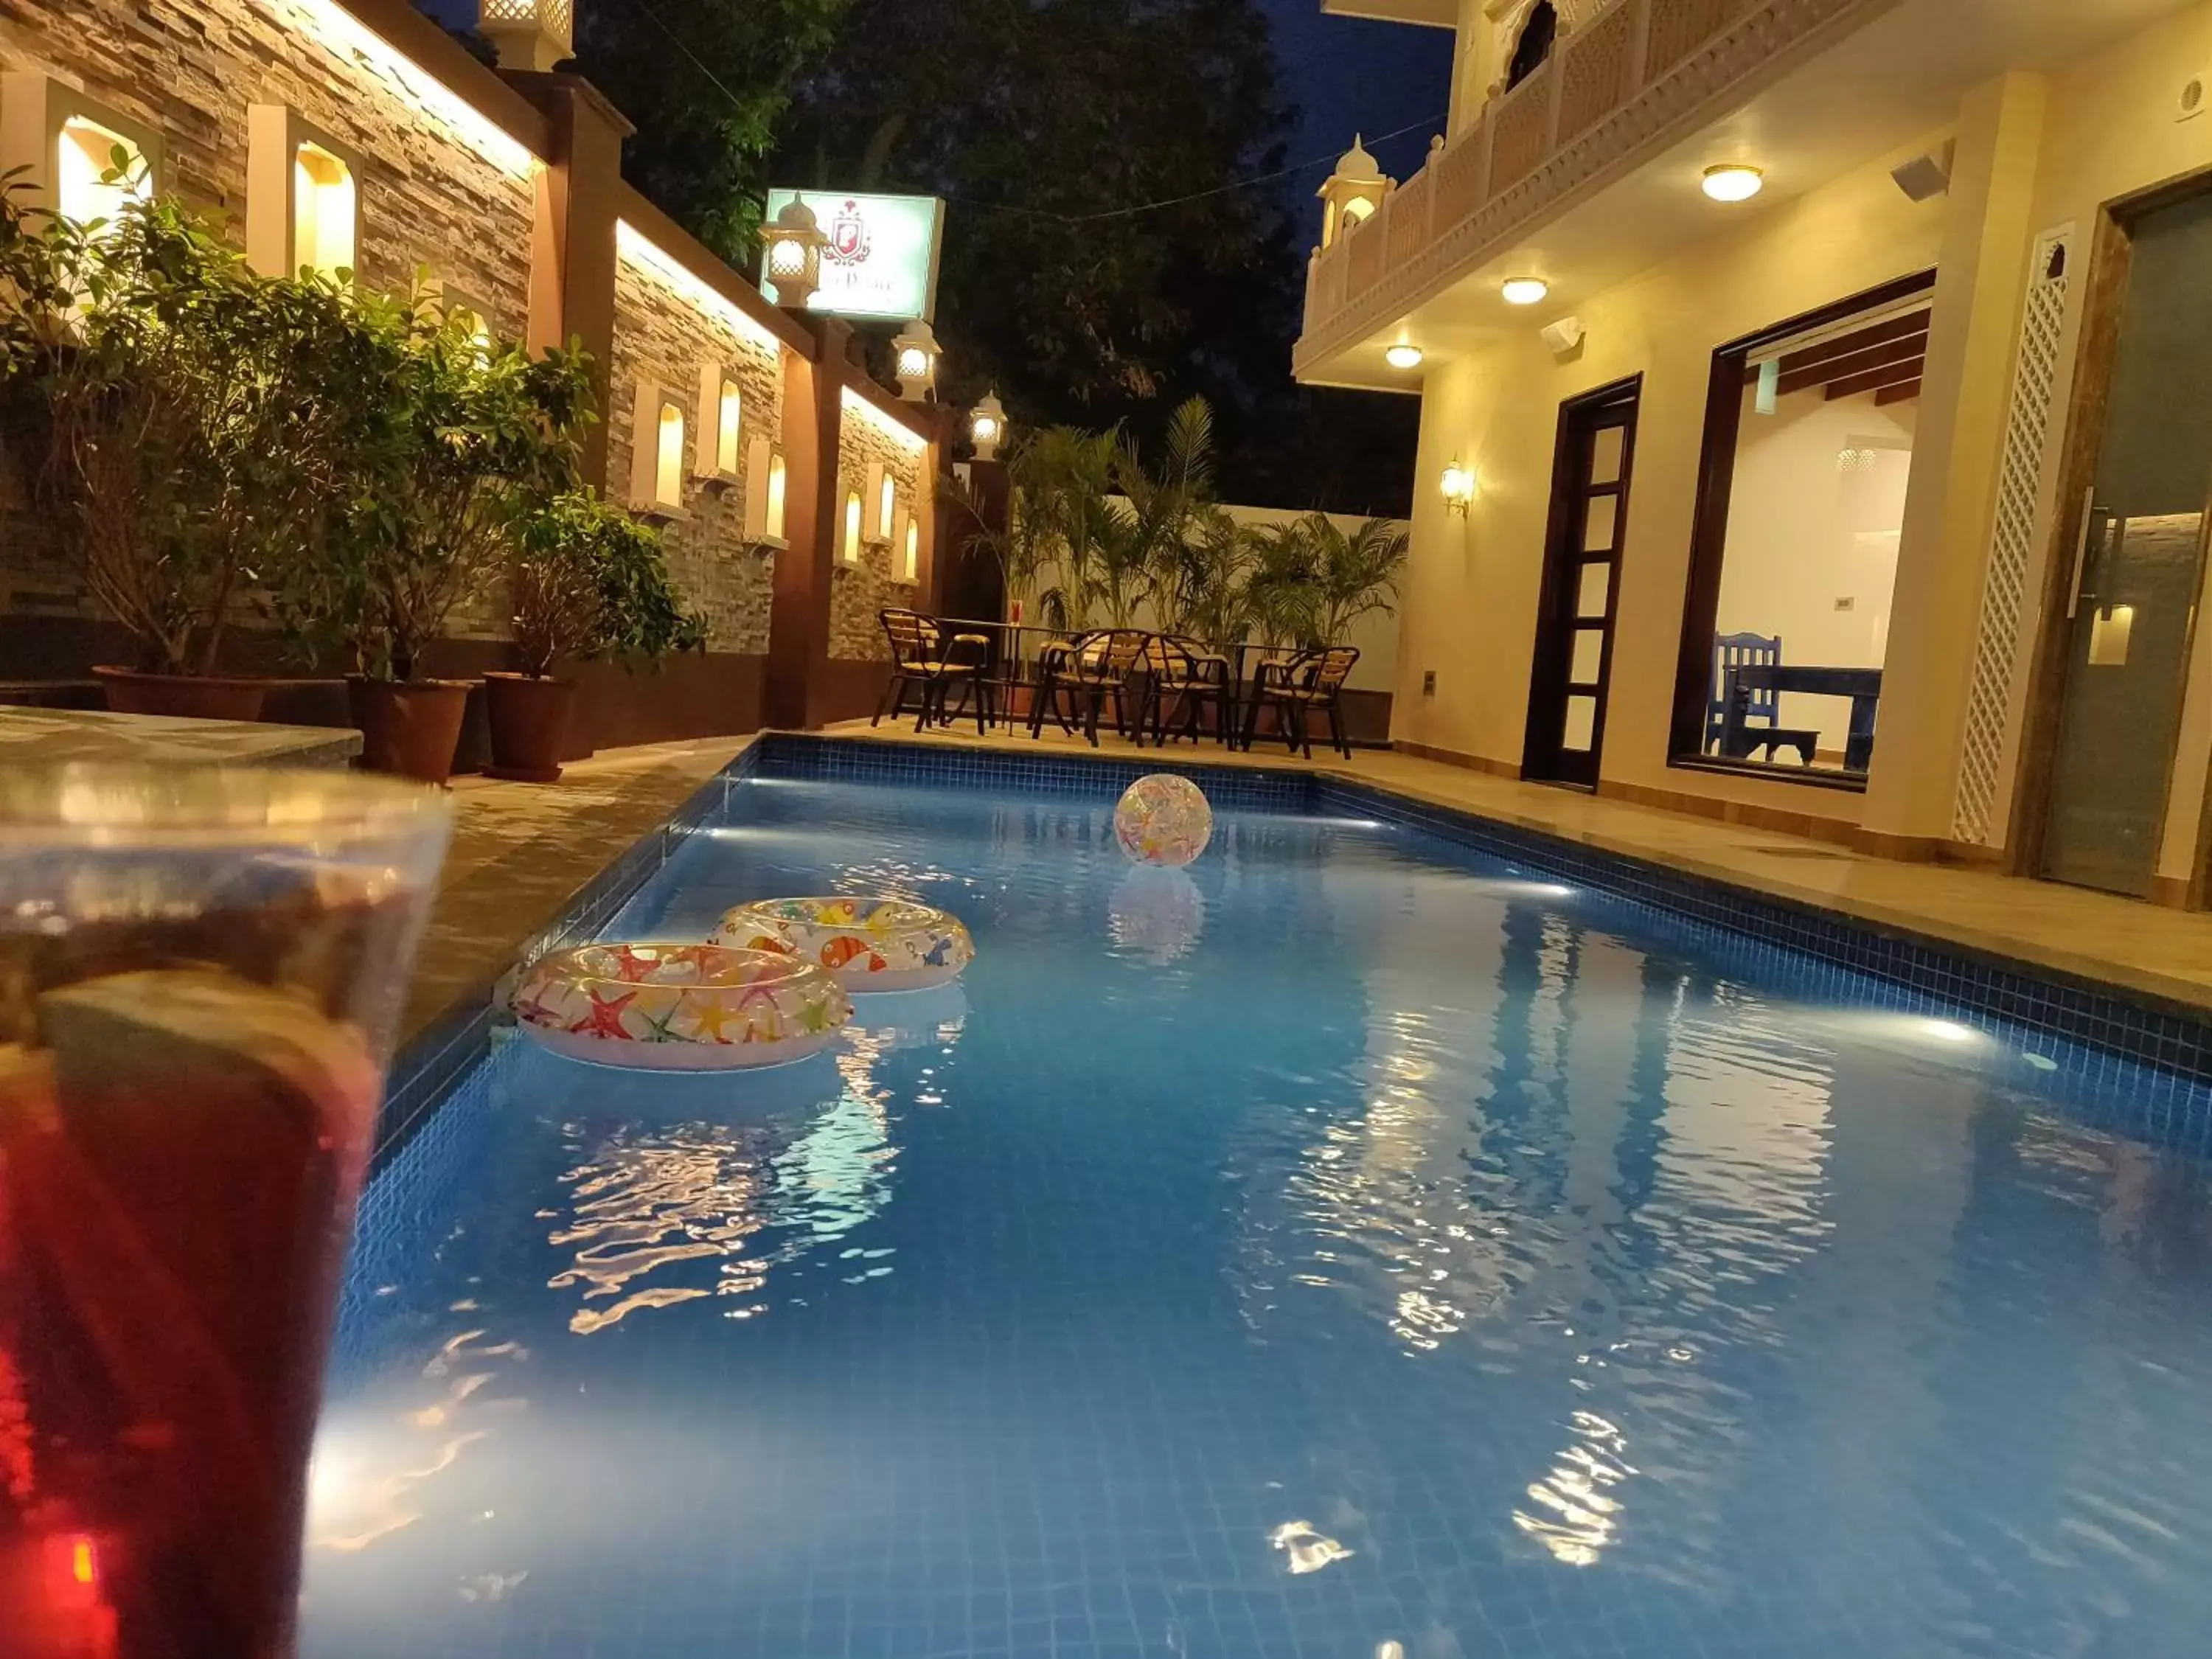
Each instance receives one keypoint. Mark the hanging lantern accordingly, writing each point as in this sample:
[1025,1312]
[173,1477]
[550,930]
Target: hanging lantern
[987,427]
[914,361]
[792,262]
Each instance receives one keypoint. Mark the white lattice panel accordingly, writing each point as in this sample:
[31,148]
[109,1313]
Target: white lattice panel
[2004,587]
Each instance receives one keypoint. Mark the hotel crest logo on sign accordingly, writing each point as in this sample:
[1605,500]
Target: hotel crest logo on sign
[848,236]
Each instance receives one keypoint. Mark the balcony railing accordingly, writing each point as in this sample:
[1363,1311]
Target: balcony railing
[1624,81]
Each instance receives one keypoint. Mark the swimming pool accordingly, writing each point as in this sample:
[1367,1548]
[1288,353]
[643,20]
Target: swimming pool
[1353,1246]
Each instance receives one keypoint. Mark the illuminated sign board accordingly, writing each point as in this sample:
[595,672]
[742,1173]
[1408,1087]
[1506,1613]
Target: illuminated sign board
[882,257]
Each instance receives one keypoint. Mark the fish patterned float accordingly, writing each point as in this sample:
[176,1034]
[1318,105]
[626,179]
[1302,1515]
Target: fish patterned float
[1162,819]
[679,1007]
[869,943]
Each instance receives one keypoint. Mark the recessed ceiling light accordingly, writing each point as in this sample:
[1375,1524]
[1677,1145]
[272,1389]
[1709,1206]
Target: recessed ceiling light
[1734,182]
[1403,357]
[1525,291]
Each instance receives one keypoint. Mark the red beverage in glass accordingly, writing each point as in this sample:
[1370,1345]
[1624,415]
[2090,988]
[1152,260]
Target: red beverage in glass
[194,1015]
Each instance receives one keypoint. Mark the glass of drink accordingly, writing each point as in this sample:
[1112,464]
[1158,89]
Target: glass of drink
[201,970]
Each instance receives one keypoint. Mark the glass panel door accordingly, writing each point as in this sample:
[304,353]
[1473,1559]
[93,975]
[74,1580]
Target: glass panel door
[2138,565]
[1574,630]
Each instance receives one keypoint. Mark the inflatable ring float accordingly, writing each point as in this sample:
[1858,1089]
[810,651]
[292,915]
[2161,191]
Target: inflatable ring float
[868,944]
[678,1008]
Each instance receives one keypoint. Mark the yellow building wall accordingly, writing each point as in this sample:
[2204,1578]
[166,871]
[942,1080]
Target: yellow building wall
[1472,587]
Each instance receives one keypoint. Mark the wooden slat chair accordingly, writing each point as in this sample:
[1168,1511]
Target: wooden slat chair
[1762,703]
[1185,671]
[1309,683]
[1087,670]
[926,663]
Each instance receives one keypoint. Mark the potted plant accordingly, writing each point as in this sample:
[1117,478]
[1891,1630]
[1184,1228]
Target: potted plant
[585,580]
[179,417]
[477,432]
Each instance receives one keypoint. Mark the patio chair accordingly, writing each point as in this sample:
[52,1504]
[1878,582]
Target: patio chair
[925,662]
[1309,683]
[1195,677]
[1763,703]
[1087,670]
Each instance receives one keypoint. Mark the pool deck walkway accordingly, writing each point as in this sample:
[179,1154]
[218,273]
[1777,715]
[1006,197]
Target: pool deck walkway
[522,852]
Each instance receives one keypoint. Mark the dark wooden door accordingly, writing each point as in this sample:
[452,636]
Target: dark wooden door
[1573,666]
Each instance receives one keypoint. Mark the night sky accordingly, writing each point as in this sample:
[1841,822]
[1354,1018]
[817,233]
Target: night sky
[1347,74]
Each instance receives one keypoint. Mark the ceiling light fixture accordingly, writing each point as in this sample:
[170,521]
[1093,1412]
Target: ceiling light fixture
[1734,182]
[1525,291]
[1403,356]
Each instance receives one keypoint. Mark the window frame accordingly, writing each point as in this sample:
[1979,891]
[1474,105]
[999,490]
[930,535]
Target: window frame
[1701,601]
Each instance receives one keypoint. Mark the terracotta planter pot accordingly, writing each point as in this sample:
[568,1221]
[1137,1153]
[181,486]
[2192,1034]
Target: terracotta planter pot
[409,728]
[529,721]
[195,696]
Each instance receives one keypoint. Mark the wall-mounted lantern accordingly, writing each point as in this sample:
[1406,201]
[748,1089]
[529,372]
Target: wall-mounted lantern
[1354,192]
[792,264]
[915,360]
[528,34]
[1458,487]
[987,427]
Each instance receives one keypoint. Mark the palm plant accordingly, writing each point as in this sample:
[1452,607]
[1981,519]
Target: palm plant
[1353,575]
[1280,591]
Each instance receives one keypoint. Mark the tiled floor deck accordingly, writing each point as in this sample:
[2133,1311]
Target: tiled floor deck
[2146,949]
[521,852]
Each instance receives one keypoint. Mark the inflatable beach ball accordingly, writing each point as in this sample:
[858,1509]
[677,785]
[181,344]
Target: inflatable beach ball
[1162,819]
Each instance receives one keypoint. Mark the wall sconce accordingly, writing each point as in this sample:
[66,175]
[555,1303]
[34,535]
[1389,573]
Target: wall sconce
[881,495]
[848,551]
[792,262]
[1458,485]
[906,545]
[766,488]
[987,426]
[914,360]
[63,143]
[722,425]
[656,461]
[302,195]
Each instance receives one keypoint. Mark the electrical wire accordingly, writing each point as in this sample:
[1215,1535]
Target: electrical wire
[659,23]
[1179,201]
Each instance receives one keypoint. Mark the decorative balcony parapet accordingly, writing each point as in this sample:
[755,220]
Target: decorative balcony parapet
[1633,80]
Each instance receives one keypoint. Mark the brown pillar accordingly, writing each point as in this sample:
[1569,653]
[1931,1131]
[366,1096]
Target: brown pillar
[571,257]
[798,616]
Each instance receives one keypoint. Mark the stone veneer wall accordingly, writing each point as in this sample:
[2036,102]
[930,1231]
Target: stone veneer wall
[859,591]
[429,196]
[665,337]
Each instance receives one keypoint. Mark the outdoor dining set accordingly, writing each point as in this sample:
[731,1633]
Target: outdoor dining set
[945,671]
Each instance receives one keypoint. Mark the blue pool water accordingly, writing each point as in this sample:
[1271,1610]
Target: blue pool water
[1349,1248]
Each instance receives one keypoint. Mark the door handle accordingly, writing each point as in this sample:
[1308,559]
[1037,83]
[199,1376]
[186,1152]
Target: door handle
[2081,551]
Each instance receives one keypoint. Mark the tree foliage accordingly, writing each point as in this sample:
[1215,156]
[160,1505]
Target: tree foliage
[708,82]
